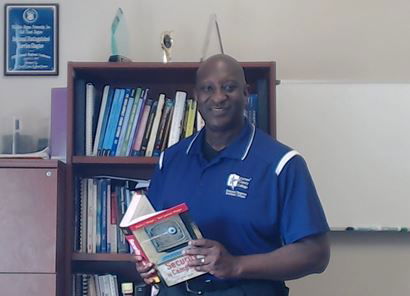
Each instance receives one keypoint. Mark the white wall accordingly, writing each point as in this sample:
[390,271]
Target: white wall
[319,39]
[364,41]
[347,133]
[361,264]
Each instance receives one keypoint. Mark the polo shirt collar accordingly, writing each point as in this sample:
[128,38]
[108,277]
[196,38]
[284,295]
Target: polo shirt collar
[238,149]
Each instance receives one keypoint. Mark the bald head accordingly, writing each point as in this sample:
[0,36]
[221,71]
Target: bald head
[221,63]
[221,93]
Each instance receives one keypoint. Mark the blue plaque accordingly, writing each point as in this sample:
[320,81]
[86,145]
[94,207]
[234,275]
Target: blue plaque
[31,39]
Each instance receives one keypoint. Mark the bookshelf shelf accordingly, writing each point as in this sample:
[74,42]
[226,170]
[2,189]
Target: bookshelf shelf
[120,264]
[102,257]
[158,78]
[149,161]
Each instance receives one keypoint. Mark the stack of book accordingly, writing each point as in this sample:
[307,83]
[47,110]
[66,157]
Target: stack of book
[104,284]
[99,205]
[128,122]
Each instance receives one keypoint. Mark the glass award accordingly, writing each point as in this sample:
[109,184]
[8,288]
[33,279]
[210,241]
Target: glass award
[119,38]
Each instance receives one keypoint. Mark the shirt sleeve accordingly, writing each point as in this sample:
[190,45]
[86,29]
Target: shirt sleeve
[302,213]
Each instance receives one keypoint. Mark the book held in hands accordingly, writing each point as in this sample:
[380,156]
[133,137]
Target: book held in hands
[161,237]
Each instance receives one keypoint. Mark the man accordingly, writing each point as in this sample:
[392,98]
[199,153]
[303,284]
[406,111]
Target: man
[252,197]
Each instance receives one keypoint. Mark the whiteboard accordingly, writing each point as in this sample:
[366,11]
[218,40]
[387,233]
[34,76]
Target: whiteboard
[356,141]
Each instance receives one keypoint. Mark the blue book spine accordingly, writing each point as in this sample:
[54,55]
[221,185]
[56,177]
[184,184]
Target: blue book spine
[113,120]
[104,185]
[105,120]
[252,108]
[120,122]
[125,124]
[263,104]
[131,123]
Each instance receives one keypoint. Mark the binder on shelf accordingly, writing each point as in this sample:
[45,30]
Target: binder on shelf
[177,118]
[102,116]
[90,93]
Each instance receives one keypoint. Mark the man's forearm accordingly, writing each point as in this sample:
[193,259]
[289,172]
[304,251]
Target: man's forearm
[293,261]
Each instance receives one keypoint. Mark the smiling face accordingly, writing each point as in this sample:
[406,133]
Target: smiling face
[221,93]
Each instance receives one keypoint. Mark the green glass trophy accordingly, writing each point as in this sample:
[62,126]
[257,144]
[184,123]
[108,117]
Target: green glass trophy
[119,38]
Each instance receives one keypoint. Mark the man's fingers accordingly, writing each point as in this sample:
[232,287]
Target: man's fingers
[203,243]
[201,264]
[138,258]
[151,280]
[148,274]
[144,267]
[196,251]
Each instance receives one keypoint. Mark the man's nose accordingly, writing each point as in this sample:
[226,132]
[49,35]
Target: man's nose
[219,96]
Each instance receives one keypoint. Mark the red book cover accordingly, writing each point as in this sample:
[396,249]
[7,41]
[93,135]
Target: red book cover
[161,237]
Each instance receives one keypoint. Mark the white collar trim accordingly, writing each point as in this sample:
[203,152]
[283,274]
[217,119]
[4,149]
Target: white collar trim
[250,142]
[288,156]
[192,142]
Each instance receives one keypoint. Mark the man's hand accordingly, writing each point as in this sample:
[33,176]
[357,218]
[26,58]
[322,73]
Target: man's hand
[212,257]
[146,270]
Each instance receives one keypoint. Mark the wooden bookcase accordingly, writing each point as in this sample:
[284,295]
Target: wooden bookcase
[159,78]
[32,236]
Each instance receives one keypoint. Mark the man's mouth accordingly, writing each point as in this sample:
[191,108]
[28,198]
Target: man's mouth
[219,109]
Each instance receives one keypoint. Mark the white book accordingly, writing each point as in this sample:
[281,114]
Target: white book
[155,124]
[115,284]
[90,217]
[97,284]
[177,118]
[92,289]
[200,123]
[100,118]
[113,288]
[101,286]
[106,283]
[89,117]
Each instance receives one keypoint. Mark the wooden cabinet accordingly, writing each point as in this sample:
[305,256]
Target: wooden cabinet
[159,78]
[31,222]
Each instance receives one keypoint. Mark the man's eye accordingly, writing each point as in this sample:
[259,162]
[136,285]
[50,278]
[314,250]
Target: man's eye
[229,87]
[206,88]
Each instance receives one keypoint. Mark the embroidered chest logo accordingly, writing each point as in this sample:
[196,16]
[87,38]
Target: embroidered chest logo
[237,185]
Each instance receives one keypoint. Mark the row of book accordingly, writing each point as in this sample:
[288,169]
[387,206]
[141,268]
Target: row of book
[84,284]
[128,122]
[100,204]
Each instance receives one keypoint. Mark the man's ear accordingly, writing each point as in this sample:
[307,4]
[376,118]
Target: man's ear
[195,94]
[246,92]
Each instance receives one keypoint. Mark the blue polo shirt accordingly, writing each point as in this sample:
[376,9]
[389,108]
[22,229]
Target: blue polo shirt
[253,197]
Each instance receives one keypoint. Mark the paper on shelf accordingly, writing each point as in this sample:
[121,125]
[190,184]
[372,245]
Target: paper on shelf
[42,154]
